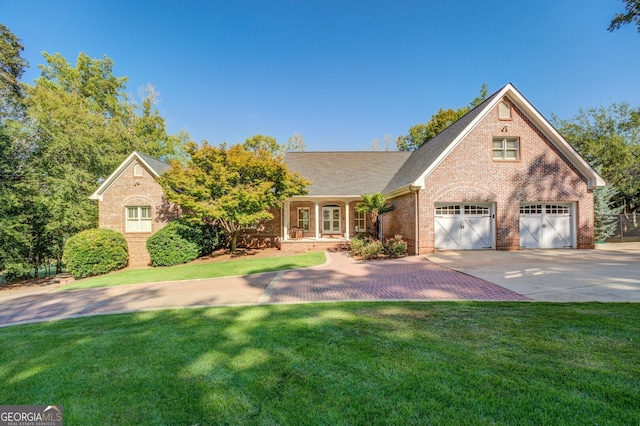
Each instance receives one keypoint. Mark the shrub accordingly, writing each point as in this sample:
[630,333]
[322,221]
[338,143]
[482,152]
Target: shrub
[372,250]
[168,247]
[95,252]
[359,242]
[206,237]
[395,247]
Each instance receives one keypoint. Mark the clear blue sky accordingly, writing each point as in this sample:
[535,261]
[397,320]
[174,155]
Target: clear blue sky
[343,72]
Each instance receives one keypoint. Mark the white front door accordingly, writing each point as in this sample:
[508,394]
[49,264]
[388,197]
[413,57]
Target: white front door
[546,225]
[464,226]
[331,220]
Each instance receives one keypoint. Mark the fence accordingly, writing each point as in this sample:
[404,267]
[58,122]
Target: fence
[621,227]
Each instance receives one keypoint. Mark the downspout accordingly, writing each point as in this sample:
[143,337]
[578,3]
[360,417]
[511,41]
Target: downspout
[416,239]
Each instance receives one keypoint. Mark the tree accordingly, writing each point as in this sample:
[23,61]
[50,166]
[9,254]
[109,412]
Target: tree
[609,139]
[605,212]
[632,14]
[374,205]
[16,177]
[296,143]
[232,187]
[258,143]
[423,132]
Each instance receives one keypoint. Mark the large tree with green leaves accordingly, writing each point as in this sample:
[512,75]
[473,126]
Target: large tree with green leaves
[16,175]
[231,186]
[83,125]
[609,139]
[423,132]
[631,15]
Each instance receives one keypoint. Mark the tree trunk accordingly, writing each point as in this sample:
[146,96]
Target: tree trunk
[234,239]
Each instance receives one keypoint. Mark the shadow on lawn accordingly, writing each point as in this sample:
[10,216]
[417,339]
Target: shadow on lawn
[340,363]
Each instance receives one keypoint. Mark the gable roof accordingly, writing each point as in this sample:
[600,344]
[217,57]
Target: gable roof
[426,158]
[154,166]
[346,173]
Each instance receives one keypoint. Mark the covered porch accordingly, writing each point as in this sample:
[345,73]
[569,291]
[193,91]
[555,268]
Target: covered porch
[320,223]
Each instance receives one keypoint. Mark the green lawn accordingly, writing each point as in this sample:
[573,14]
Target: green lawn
[439,363]
[198,270]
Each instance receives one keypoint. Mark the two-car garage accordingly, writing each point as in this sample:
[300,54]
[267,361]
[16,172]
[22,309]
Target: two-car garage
[472,226]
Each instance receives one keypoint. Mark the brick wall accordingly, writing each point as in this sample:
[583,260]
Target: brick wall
[401,220]
[469,173]
[129,191]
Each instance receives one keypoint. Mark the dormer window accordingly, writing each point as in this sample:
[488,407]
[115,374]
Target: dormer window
[137,170]
[504,110]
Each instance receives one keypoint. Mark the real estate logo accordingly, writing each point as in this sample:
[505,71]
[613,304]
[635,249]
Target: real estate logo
[30,415]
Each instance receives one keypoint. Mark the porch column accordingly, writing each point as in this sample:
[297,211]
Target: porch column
[286,214]
[346,219]
[317,220]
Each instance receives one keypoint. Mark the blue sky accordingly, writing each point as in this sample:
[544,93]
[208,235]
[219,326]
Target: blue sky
[340,73]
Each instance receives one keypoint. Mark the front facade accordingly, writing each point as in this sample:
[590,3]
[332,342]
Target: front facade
[500,178]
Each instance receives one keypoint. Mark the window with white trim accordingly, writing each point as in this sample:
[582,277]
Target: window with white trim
[138,219]
[303,218]
[506,148]
[359,221]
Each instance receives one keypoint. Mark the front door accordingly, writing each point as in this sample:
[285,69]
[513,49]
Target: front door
[331,220]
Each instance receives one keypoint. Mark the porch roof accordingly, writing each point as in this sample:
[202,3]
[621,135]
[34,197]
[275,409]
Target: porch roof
[346,173]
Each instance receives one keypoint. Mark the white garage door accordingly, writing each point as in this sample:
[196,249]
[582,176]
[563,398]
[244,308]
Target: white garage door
[464,226]
[546,225]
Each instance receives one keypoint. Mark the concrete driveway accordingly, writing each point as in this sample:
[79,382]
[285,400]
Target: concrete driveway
[609,273]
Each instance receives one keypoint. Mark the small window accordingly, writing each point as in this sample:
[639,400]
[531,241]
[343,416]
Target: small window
[531,209]
[504,110]
[506,149]
[138,219]
[476,210]
[303,218]
[553,209]
[359,221]
[447,210]
[137,170]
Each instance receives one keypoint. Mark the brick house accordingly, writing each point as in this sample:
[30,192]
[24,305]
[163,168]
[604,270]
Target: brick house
[131,201]
[501,177]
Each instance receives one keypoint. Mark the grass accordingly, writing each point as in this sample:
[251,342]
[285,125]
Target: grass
[334,363]
[199,270]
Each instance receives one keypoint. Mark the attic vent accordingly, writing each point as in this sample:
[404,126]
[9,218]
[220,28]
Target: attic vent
[137,171]
[504,110]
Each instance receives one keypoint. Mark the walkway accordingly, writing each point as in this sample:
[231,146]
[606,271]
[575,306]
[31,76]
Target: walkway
[411,278]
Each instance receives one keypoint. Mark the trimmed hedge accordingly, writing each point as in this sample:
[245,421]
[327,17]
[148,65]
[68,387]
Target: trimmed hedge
[95,252]
[181,242]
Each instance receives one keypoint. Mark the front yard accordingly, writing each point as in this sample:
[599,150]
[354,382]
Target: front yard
[201,269]
[334,363]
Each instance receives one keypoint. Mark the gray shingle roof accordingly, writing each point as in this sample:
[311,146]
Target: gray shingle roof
[346,173]
[422,158]
[158,166]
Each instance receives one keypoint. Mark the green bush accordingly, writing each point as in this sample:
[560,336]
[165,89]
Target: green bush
[395,247]
[169,247]
[367,247]
[95,252]
[373,250]
[359,242]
